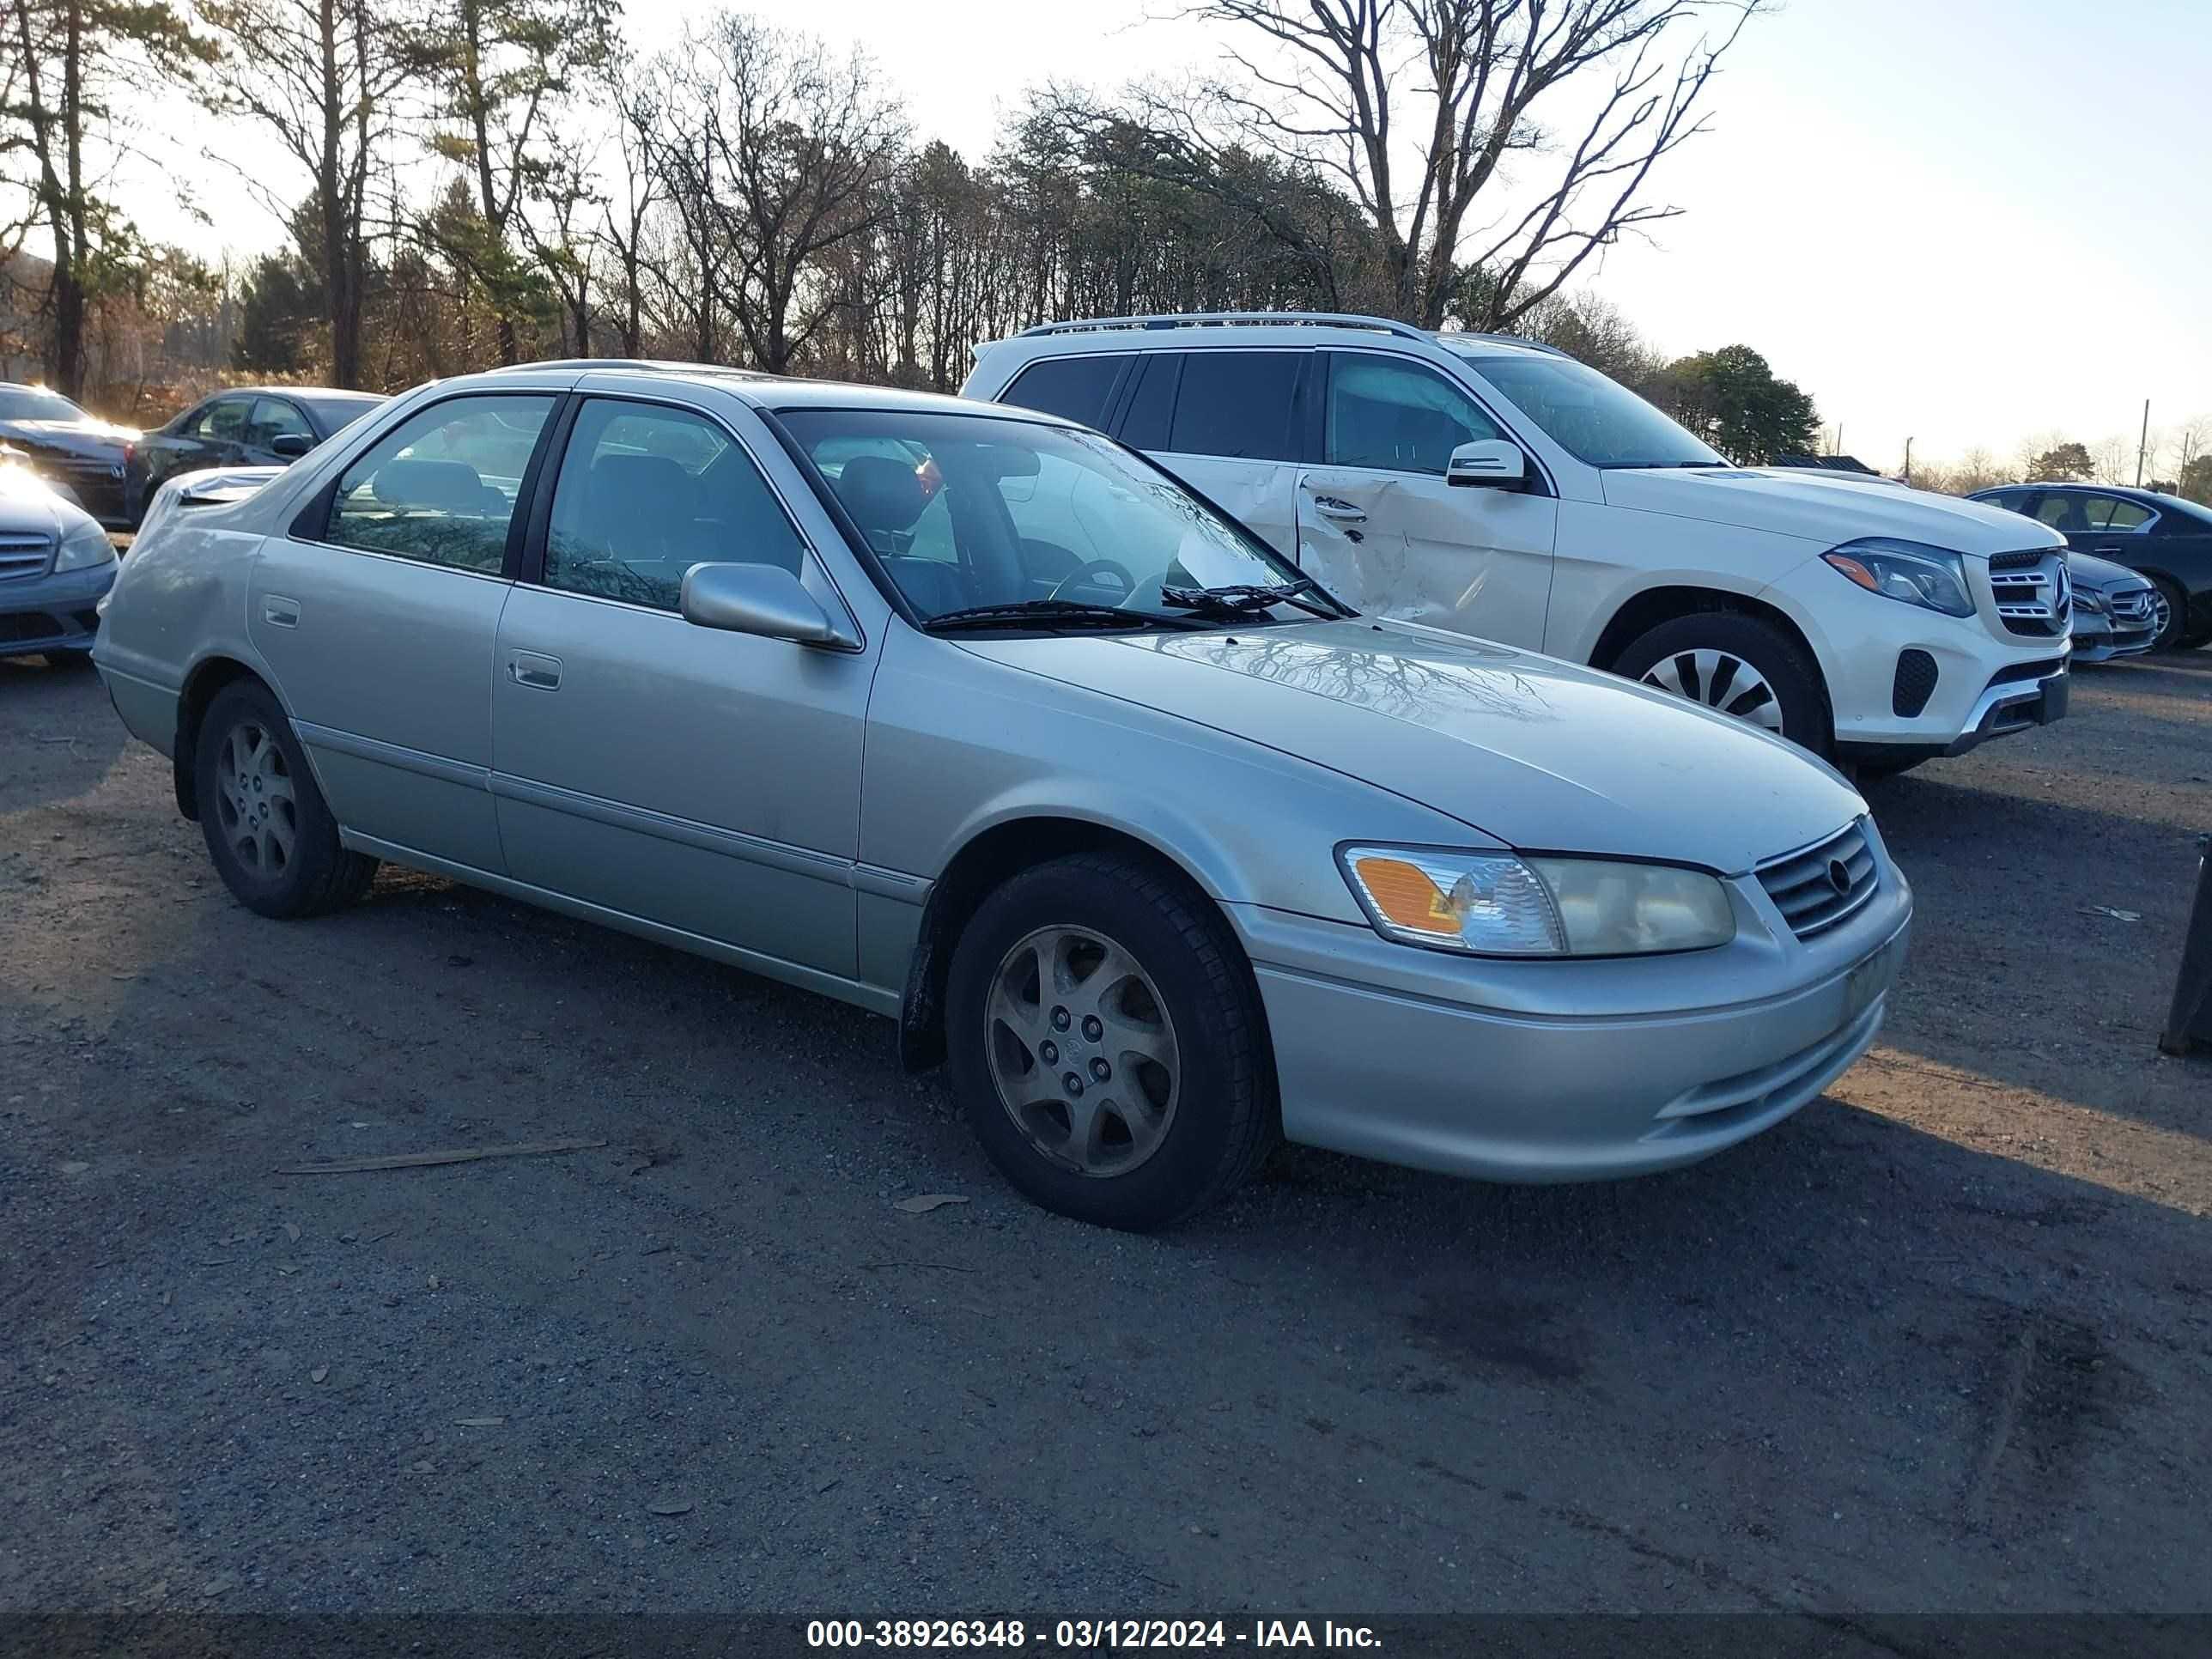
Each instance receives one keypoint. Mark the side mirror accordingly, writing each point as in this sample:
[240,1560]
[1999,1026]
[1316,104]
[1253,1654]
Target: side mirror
[764,599]
[291,444]
[1489,462]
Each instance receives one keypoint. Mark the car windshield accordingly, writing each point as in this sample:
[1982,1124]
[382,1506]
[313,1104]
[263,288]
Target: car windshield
[34,403]
[1592,418]
[968,511]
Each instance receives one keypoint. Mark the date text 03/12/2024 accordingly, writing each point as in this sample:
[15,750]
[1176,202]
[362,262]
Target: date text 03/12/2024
[1087,1635]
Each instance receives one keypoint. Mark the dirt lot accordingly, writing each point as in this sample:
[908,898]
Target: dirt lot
[1942,1341]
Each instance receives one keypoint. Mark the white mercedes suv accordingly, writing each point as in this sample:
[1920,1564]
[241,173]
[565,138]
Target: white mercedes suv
[1498,488]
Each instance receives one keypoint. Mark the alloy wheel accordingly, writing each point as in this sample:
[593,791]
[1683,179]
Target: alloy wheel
[2161,614]
[1720,680]
[1081,1051]
[255,801]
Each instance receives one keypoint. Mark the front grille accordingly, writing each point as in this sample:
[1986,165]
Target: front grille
[1914,683]
[1822,885]
[2133,606]
[2032,593]
[25,555]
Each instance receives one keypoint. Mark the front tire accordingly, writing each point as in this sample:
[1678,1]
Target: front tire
[2172,615]
[271,836]
[1739,665]
[1107,1043]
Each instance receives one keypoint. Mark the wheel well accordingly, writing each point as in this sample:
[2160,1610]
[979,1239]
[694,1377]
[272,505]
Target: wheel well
[1654,605]
[977,871]
[210,678]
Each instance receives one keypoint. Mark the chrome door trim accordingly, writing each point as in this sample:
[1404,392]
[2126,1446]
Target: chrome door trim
[392,754]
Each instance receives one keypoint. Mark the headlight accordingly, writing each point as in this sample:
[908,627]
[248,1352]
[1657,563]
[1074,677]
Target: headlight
[1496,904]
[87,544]
[2088,598]
[1919,575]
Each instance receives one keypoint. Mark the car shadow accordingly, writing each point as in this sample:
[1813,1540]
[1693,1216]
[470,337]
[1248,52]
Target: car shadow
[55,737]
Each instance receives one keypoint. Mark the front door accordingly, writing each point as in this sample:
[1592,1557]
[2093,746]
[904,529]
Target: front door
[705,780]
[1378,525]
[378,621]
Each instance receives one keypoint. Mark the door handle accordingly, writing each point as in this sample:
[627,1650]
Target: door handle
[2107,547]
[529,668]
[280,612]
[1342,512]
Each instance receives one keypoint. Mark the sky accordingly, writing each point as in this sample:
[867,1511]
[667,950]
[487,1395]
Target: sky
[1965,222]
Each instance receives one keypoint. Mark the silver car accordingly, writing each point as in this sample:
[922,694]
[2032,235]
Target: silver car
[976,719]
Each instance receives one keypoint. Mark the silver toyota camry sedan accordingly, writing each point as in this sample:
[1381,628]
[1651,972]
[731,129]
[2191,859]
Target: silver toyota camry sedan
[978,721]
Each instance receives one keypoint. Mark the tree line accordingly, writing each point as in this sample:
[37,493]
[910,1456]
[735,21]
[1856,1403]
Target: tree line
[472,182]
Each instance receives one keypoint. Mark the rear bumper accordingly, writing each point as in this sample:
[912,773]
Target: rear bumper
[54,612]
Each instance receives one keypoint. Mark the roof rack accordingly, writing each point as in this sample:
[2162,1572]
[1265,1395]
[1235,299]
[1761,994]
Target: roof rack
[1230,319]
[645,365]
[1521,340]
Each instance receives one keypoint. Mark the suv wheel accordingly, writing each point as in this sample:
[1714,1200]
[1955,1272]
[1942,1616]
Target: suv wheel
[1106,1042]
[1738,665]
[271,834]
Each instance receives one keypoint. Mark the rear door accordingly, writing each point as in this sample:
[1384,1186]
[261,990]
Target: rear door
[1231,424]
[378,614]
[701,780]
[1377,524]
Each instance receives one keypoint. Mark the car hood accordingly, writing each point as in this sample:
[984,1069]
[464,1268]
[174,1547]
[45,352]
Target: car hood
[1826,507]
[2087,571]
[99,438]
[1536,753]
[29,507]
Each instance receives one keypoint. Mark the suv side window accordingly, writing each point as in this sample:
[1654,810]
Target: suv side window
[1240,405]
[440,487]
[1152,405]
[1073,388]
[644,492]
[1397,416]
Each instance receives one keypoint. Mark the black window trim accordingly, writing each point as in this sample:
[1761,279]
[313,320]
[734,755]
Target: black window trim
[530,570]
[311,524]
[1540,480]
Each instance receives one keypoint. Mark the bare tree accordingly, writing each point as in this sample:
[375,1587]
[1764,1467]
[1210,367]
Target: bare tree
[319,76]
[2113,460]
[1325,84]
[791,150]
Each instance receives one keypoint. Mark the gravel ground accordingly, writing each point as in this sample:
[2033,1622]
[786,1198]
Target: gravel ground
[1943,1341]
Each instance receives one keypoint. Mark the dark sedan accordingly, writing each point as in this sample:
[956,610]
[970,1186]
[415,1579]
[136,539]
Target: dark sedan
[81,455]
[244,426]
[2158,535]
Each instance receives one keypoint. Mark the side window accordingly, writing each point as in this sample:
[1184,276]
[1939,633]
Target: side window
[2013,500]
[1152,405]
[223,420]
[646,492]
[1238,405]
[441,486]
[274,418]
[2061,512]
[2110,514]
[1073,388]
[1399,416]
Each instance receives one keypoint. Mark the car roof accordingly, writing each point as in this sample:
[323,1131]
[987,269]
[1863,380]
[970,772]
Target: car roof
[758,388]
[332,393]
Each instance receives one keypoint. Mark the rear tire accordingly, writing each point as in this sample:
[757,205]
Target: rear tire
[1735,664]
[1107,1043]
[271,836]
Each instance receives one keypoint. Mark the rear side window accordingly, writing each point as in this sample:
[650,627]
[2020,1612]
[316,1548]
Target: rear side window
[1237,405]
[441,487]
[1152,405]
[1073,388]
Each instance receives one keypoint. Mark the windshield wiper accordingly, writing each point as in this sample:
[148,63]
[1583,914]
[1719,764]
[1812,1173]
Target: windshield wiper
[1247,599]
[1053,613]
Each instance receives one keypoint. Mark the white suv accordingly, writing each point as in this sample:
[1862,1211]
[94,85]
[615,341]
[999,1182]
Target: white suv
[1498,488]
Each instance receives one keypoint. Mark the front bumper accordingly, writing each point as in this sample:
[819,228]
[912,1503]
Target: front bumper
[2100,638]
[1371,1062]
[53,612]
